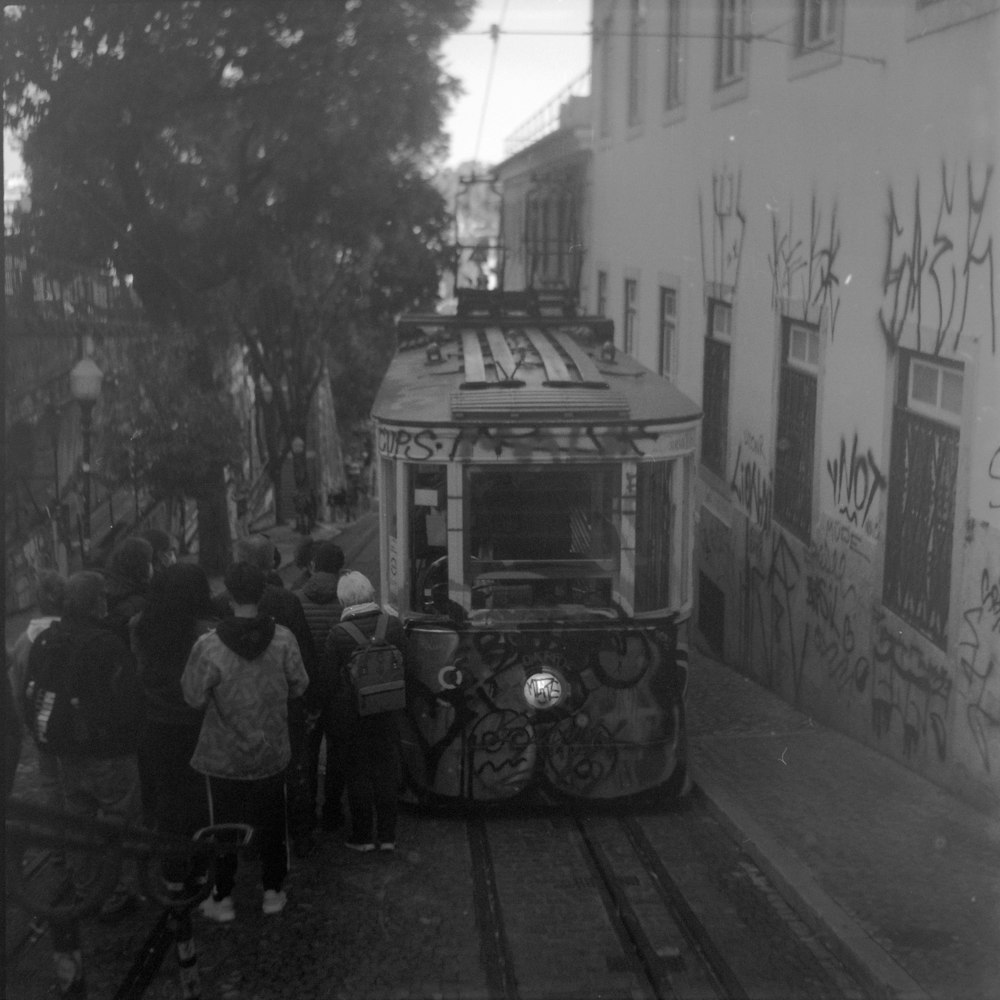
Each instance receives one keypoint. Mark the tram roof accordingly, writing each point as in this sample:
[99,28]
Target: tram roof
[519,368]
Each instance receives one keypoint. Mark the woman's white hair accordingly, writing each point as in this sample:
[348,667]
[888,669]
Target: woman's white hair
[354,588]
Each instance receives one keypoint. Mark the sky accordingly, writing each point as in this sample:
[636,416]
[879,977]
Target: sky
[543,46]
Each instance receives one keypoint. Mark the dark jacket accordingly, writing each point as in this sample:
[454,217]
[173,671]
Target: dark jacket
[123,606]
[110,685]
[322,610]
[339,645]
[160,680]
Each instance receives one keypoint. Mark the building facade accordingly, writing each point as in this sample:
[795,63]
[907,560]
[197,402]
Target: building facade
[794,207]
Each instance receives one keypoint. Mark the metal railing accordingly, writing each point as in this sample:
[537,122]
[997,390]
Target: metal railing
[550,118]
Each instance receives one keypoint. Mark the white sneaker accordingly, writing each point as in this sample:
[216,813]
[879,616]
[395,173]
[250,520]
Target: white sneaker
[274,901]
[221,911]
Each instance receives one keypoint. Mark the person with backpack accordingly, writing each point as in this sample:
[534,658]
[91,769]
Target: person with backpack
[243,674]
[82,703]
[372,735]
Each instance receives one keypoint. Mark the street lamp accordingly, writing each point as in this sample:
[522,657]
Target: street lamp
[85,386]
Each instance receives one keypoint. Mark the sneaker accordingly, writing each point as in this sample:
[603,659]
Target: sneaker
[354,845]
[274,901]
[219,910]
[387,846]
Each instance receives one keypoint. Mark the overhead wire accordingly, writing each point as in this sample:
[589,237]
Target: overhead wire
[745,36]
[495,31]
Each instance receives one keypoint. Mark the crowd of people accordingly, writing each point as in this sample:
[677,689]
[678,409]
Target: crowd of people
[195,709]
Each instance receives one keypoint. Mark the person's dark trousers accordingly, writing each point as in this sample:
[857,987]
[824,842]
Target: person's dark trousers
[261,803]
[173,793]
[333,725]
[373,777]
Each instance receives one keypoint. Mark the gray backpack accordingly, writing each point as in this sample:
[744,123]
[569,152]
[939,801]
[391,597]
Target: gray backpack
[375,670]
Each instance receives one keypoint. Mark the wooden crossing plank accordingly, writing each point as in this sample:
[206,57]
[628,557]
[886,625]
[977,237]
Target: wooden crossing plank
[472,352]
[500,350]
[555,367]
[583,361]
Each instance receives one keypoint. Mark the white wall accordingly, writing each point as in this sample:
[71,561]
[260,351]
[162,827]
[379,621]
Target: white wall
[861,196]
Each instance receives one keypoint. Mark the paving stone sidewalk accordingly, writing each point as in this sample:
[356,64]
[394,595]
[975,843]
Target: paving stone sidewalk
[903,877]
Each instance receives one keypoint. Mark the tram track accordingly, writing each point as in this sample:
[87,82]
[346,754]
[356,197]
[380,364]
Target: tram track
[612,918]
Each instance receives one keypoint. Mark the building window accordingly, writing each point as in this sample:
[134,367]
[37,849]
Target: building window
[628,324]
[920,515]
[715,388]
[731,50]
[672,96]
[668,330]
[796,432]
[634,61]
[818,24]
[602,293]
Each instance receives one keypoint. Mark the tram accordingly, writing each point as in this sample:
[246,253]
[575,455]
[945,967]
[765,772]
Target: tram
[536,504]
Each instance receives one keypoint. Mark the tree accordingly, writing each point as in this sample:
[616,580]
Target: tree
[263,165]
[172,425]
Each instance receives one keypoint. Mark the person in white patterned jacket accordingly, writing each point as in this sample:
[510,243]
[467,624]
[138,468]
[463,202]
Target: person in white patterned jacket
[243,673]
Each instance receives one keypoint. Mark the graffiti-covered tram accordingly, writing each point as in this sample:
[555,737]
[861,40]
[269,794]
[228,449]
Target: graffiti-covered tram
[535,517]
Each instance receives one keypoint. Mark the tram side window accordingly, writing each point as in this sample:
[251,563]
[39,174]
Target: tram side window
[654,527]
[428,527]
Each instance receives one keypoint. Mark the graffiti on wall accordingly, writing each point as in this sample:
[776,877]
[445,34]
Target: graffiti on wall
[857,481]
[979,657]
[752,482]
[723,232]
[783,638]
[836,563]
[936,260]
[806,270]
[994,475]
[910,691]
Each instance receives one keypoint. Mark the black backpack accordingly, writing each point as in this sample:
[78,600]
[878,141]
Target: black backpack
[57,711]
[375,670]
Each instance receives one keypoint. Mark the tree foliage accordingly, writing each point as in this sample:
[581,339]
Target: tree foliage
[258,166]
[156,429]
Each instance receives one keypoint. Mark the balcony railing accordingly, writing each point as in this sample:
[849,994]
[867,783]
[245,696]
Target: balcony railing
[561,112]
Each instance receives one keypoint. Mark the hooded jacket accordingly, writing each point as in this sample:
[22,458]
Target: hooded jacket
[322,610]
[242,673]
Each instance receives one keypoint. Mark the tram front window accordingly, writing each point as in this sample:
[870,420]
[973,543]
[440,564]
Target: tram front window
[542,536]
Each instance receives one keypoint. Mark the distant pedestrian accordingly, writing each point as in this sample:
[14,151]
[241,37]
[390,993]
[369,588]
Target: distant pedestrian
[373,756]
[50,597]
[127,574]
[243,674]
[100,773]
[322,610]
[178,611]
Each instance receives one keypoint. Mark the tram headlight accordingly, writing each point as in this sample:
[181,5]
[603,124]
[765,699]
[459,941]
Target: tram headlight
[546,688]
